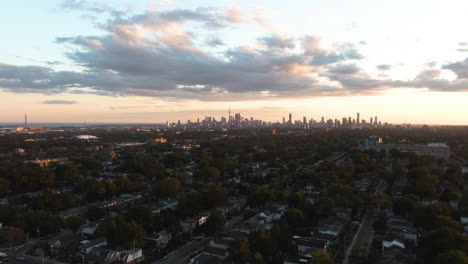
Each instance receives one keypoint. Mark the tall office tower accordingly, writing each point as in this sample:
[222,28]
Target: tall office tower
[371,121]
[237,117]
[229,112]
[284,120]
[304,120]
[290,118]
[178,122]
[323,120]
[358,121]
[375,121]
[25,120]
[198,120]
[349,120]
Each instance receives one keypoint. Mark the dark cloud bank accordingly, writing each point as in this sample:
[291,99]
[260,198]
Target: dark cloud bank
[153,54]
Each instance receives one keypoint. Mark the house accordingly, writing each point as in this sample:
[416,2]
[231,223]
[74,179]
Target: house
[161,239]
[165,205]
[391,240]
[73,212]
[46,162]
[396,254]
[112,256]
[89,229]
[464,222]
[297,260]
[216,252]
[86,245]
[306,245]
[11,234]
[221,243]
[61,241]
[202,218]
[131,256]
[402,228]
[331,226]
[189,224]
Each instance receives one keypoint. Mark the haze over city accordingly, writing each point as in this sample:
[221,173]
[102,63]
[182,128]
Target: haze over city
[153,61]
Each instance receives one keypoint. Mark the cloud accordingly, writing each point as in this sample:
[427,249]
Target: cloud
[263,18]
[384,67]
[345,69]
[155,54]
[463,47]
[59,102]
[235,15]
[277,41]
[91,7]
[460,68]
[215,42]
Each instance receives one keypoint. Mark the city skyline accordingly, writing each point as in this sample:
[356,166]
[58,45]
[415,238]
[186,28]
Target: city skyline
[150,61]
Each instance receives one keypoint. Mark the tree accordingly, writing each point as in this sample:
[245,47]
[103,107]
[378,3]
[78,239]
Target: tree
[380,225]
[5,185]
[213,195]
[213,173]
[92,164]
[75,222]
[321,257]
[452,257]
[263,243]
[239,250]
[294,217]
[168,187]
[67,173]
[446,221]
[92,188]
[121,233]
[260,197]
[190,204]
[215,222]
[45,221]
[95,213]
[183,178]
[296,199]
[440,240]
[144,216]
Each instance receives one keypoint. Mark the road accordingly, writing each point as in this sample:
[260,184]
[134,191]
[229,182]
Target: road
[365,228]
[182,254]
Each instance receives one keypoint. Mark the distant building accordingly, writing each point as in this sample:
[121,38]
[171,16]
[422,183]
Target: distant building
[45,162]
[11,234]
[372,142]
[86,137]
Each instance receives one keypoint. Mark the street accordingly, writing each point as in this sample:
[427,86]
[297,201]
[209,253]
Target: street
[365,228]
[182,254]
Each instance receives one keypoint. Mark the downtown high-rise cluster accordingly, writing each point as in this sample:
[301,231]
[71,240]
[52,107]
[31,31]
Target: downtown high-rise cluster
[239,121]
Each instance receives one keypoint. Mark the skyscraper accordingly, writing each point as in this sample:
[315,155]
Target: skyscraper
[290,118]
[358,120]
[25,120]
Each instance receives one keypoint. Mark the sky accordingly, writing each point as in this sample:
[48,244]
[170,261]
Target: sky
[145,61]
